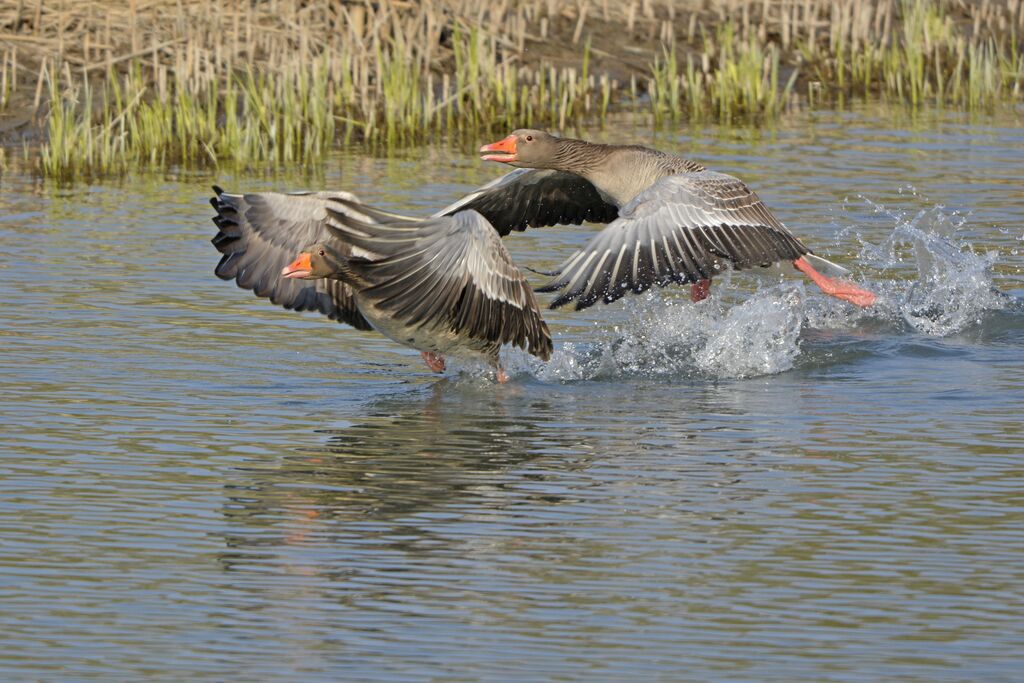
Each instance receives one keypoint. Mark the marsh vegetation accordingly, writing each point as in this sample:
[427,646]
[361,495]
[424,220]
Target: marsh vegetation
[104,86]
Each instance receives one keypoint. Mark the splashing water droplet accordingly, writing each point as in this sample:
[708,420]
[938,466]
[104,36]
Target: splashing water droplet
[938,285]
[758,337]
[953,284]
[665,338]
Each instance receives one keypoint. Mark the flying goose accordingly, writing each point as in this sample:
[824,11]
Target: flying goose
[440,285]
[669,218]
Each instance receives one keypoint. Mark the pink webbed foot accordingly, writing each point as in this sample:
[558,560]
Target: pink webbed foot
[500,376]
[434,361]
[846,291]
[700,290]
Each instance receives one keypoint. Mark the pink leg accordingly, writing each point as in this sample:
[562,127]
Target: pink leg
[837,288]
[434,361]
[501,376]
[700,290]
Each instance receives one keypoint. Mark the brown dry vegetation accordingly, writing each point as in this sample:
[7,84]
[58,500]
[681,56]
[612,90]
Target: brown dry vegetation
[106,84]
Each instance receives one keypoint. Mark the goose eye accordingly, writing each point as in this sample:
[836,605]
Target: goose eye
[529,138]
[321,252]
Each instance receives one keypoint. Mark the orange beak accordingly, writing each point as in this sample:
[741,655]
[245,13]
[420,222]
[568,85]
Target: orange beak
[299,268]
[506,146]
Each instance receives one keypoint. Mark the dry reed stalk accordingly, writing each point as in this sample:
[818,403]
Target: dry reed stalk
[393,70]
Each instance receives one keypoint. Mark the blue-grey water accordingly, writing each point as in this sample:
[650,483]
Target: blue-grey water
[765,486]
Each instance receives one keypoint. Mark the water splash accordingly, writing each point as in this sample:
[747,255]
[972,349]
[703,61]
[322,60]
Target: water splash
[942,284]
[670,338]
[929,279]
[758,337]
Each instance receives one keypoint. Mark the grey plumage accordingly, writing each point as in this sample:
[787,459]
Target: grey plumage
[677,222]
[260,233]
[440,284]
[669,220]
[445,275]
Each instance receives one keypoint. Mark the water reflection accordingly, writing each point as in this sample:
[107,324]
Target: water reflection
[205,486]
[416,462]
[409,453]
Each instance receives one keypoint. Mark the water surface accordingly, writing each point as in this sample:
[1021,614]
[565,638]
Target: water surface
[765,486]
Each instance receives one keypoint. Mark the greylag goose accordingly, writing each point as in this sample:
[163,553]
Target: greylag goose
[669,218]
[440,285]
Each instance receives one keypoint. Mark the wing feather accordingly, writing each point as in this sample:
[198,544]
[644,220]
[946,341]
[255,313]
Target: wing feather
[684,228]
[447,273]
[529,197]
[260,233]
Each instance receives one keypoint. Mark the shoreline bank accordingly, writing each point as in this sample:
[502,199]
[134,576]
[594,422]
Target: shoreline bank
[104,86]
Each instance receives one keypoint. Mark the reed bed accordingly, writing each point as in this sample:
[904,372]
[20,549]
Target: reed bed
[928,54]
[293,116]
[735,79]
[112,85]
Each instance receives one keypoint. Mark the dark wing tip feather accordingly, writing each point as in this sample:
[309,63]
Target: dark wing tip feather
[259,234]
[222,239]
[548,287]
[545,347]
[545,273]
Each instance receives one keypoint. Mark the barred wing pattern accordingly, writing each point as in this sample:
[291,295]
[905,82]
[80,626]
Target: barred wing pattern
[260,233]
[448,271]
[529,197]
[684,228]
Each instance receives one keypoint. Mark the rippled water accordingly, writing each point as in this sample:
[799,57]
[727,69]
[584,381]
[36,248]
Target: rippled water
[767,485]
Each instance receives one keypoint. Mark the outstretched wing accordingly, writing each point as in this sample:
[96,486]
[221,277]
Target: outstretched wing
[261,233]
[684,228]
[529,197]
[448,271]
